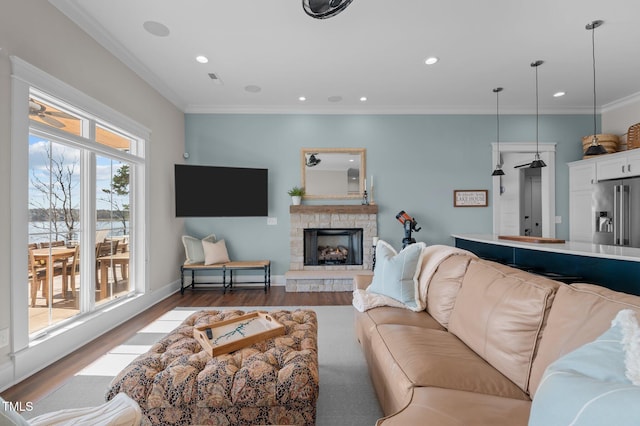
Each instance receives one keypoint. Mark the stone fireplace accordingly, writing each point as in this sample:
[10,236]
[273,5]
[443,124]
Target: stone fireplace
[335,228]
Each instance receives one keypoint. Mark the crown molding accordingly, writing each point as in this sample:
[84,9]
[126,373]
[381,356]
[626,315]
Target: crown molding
[377,110]
[94,29]
[627,100]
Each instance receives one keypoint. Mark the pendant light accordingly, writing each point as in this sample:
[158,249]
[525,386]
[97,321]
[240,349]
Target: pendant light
[498,171]
[537,163]
[595,148]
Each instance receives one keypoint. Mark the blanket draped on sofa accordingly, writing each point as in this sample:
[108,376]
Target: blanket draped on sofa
[432,257]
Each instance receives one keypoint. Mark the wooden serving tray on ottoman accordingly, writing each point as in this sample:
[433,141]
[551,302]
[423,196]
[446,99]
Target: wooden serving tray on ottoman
[233,334]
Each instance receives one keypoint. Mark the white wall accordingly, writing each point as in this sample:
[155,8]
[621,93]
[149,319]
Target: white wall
[616,119]
[36,32]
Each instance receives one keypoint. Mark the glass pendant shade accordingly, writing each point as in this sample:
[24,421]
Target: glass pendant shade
[595,148]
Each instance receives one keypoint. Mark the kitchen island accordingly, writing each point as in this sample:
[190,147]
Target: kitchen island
[615,267]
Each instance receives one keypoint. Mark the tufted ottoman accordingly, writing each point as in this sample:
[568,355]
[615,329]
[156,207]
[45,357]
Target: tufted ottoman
[274,381]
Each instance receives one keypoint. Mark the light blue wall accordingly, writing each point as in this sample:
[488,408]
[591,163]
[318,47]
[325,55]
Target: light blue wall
[417,161]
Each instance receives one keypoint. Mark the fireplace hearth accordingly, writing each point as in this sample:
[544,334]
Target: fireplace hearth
[333,246]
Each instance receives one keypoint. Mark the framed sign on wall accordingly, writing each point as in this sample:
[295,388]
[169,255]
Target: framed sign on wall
[470,198]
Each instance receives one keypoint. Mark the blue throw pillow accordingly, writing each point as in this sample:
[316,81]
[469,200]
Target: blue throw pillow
[396,274]
[589,386]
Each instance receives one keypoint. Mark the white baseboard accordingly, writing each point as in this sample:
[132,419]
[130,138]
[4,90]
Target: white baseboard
[56,345]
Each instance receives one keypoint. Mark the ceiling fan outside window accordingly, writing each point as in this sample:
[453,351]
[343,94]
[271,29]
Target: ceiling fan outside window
[40,111]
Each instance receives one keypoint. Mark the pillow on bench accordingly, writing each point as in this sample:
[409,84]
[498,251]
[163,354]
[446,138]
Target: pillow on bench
[193,248]
[215,252]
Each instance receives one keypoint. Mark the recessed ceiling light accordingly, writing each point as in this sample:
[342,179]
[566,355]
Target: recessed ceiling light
[302,99]
[156,28]
[252,88]
[335,98]
[202,59]
[363,99]
[431,60]
[558,94]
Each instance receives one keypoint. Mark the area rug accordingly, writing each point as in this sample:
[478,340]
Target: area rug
[346,393]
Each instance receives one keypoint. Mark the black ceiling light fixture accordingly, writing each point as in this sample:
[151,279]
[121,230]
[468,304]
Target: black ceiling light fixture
[537,163]
[498,171]
[322,9]
[595,148]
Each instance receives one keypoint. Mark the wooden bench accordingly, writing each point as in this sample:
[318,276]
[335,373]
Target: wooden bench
[264,265]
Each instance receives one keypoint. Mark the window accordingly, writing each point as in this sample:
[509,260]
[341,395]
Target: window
[82,190]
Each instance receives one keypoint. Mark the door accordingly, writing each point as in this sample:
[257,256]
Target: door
[507,190]
[531,220]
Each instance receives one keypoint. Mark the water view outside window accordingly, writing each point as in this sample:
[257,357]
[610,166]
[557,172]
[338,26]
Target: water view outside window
[62,284]
[54,229]
[112,228]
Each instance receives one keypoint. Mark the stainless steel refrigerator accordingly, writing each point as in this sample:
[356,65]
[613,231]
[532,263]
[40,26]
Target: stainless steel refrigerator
[617,212]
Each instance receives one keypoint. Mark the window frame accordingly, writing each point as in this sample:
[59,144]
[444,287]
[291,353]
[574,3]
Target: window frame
[25,78]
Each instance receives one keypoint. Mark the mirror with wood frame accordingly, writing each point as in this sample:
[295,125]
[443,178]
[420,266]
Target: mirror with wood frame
[337,173]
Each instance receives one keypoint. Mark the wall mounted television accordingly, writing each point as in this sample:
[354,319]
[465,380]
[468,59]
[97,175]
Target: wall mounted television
[210,191]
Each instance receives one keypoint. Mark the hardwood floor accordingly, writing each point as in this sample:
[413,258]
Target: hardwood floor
[49,379]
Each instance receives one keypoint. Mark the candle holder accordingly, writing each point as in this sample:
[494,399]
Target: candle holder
[365,198]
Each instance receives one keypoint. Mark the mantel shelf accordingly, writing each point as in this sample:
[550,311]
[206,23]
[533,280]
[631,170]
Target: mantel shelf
[339,209]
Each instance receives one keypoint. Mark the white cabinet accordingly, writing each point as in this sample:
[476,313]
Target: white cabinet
[582,177]
[618,166]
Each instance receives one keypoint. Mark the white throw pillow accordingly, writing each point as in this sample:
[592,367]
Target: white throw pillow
[215,252]
[396,274]
[193,248]
[591,386]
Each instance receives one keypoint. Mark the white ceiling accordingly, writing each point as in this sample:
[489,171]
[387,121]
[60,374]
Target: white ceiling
[374,48]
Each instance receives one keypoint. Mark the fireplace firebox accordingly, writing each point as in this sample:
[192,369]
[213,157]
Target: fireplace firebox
[332,246]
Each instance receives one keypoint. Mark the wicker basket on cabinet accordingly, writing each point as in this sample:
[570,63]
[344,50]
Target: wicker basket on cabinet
[633,136]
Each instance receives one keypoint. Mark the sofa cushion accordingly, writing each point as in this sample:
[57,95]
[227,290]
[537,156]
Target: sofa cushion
[414,356]
[580,313]
[500,313]
[446,407]
[390,315]
[595,376]
[444,286]
[396,274]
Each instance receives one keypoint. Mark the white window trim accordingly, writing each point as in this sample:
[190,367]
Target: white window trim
[31,356]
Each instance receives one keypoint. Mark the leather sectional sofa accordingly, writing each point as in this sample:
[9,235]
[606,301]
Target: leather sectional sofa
[477,354]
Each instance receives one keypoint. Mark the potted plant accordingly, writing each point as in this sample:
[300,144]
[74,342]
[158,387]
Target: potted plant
[296,193]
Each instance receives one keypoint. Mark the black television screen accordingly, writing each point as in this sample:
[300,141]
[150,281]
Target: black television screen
[208,191]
